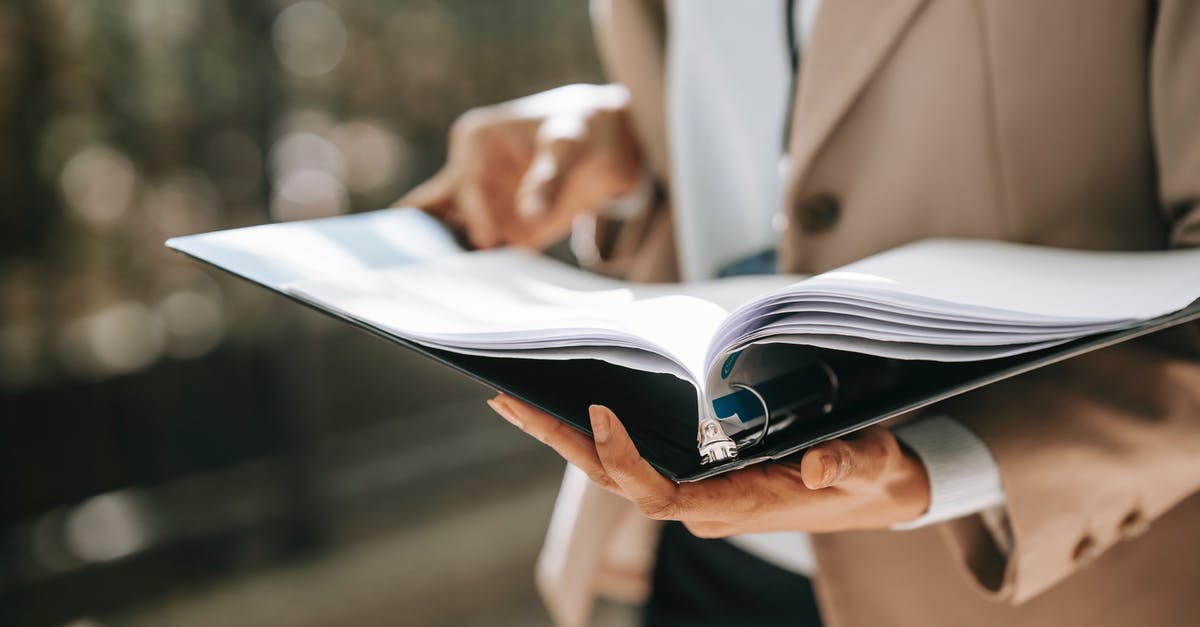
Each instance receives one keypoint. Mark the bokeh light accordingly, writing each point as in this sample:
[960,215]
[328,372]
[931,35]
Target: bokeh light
[163,23]
[374,155]
[310,38]
[194,323]
[308,193]
[131,372]
[97,184]
[306,151]
[120,338]
[109,526]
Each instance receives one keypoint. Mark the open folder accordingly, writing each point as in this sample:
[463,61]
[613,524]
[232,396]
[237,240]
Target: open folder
[712,376]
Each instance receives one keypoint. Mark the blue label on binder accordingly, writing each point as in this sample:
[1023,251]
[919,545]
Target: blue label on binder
[740,403]
[727,367]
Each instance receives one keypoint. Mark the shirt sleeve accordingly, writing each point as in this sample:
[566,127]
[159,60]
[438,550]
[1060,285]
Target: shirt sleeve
[585,230]
[963,476]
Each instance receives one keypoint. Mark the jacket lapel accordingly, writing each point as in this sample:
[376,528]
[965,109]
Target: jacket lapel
[849,41]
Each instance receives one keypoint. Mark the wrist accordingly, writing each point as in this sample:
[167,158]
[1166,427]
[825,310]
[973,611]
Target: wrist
[912,490]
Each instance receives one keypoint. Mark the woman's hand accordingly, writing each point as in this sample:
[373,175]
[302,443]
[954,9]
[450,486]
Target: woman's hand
[519,172]
[865,481]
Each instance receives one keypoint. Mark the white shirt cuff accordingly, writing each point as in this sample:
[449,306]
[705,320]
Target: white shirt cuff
[628,207]
[963,476]
[634,203]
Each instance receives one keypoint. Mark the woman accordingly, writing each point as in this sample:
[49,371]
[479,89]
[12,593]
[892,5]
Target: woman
[1065,493]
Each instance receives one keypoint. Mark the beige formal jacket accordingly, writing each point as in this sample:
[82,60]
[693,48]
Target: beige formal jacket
[1070,123]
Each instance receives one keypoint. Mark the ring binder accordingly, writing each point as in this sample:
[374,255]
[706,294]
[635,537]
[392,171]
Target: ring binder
[714,445]
[762,434]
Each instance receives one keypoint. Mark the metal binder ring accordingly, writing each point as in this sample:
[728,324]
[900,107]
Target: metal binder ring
[766,413]
[834,386]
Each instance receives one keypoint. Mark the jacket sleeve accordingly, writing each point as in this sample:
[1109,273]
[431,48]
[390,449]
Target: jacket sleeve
[630,36]
[1092,450]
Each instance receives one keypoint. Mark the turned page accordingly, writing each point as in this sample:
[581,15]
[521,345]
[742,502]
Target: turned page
[514,303]
[966,300]
[400,271]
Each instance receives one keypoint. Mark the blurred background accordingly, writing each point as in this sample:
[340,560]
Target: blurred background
[178,448]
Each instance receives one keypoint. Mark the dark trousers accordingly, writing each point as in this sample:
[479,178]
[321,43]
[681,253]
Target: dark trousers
[711,582]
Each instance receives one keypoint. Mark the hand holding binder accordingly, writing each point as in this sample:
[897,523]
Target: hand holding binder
[792,494]
[708,378]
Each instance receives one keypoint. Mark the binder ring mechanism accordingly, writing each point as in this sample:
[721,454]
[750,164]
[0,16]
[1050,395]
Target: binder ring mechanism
[715,446]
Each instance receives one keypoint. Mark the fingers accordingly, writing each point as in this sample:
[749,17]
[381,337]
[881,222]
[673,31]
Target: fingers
[459,201]
[540,185]
[558,150]
[708,530]
[824,464]
[720,500]
[863,456]
[479,220]
[611,460]
[765,497]
[655,495]
[572,445]
[456,194]
[435,192]
[542,201]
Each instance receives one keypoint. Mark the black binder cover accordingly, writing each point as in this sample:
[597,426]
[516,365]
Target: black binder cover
[660,413]
[658,410]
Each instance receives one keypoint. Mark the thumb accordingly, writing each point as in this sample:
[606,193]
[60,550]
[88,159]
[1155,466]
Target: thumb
[437,191]
[560,143]
[541,184]
[861,456]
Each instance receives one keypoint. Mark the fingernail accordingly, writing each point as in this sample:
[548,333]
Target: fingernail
[829,470]
[600,426]
[506,412]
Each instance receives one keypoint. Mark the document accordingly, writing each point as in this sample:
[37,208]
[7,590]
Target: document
[912,324]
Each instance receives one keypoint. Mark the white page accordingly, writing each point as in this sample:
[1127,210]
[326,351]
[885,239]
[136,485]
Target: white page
[1034,294]
[909,350]
[276,254]
[801,312]
[900,334]
[728,293]
[636,358]
[344,249]
[1025,281]
[506,297]
[878,317]
[867,327]
[942,286]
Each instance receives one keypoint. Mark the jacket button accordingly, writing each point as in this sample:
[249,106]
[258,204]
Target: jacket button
[1086,551]
[1133,525]
[818,213]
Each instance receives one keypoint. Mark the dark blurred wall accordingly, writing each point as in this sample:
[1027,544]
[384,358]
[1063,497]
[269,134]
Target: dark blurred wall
[126,367]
